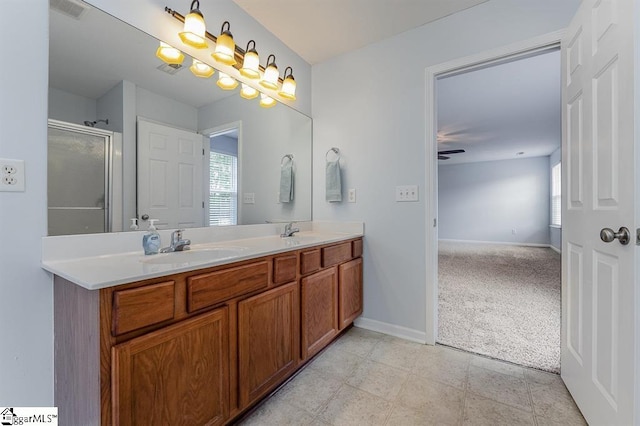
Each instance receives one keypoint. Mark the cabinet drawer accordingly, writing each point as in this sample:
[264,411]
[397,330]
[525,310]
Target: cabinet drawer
[309,261]
[356,248]
[143,306]
[284,268]
[210,289]
[333,255]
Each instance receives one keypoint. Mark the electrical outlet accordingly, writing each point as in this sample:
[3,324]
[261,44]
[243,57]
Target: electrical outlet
[11,175]
[352,196]
[405,193]
[8,169]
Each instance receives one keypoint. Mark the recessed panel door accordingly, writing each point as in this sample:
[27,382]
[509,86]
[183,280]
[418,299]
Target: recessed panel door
[598,277]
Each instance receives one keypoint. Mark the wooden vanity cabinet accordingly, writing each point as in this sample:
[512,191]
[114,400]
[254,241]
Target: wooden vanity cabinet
[319,313]
[268,340]
[199,347]
[350,290]
[178,375]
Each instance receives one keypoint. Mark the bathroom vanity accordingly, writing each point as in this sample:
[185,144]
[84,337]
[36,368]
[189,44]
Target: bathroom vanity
[197,342]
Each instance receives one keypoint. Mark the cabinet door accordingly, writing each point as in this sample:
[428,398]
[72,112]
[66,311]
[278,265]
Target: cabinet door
[319,310]
[178,375]
[350,291]
[268,340]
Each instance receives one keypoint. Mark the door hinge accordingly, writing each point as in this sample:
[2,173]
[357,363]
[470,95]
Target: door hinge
[203,152]
[203,204]
[435,222]
[638,237]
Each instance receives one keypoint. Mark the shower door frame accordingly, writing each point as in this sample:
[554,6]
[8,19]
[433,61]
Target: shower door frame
[108,163]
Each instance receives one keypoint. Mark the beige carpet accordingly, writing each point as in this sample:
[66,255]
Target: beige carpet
[501,301]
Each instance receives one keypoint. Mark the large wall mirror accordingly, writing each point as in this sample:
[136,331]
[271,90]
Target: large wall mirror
[104,77]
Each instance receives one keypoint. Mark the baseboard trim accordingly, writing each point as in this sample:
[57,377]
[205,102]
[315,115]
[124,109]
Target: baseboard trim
[502,243]
[392,330]
[557,250]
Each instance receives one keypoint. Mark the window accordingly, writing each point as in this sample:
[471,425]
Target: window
[556,198]
[223,189]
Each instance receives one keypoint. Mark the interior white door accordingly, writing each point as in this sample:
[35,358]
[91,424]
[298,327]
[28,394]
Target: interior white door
[598,278]
[170,176]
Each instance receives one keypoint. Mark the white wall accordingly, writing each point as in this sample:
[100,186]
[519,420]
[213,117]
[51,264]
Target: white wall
[371,104]
[485,201]
[26,316]
[266,135]
[168,111]
[65,106]
[555,234]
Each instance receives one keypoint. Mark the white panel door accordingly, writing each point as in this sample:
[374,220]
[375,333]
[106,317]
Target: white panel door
[598,278]
[170,176]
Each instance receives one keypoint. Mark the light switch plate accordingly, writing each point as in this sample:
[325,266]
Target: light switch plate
[11,175]
[249,198]
[406,193]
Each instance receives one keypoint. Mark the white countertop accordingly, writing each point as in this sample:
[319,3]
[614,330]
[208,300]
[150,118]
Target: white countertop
[100,264]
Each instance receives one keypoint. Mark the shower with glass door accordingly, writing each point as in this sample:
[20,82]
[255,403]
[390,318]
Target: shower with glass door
[80,194]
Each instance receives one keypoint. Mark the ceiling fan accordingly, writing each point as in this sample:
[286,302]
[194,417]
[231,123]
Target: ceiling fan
[442,155]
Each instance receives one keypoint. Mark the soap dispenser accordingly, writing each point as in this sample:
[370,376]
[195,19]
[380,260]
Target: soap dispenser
[151,240]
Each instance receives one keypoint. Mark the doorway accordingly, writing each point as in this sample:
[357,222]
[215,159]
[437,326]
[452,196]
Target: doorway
[445,140]
[499,280]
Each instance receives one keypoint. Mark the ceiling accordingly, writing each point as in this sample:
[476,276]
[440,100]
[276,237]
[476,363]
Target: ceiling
[497,112]
[321,29]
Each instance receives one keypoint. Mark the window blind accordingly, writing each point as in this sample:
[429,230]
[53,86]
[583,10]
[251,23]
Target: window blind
[223,189]
[556,195]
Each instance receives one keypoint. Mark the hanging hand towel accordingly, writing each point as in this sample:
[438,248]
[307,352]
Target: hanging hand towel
[334,185]
[286,182]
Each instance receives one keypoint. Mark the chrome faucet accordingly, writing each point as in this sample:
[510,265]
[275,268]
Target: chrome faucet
[177,243]
[289,230]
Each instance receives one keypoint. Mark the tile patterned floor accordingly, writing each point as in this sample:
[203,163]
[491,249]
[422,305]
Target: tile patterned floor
[367,378]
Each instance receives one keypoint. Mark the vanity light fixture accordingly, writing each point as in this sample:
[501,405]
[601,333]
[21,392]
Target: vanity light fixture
[226,52]
[226,82]
[169,54]
[248,92]
[251,62]
[194,28]
[200,69]
[288,85]
[266,101]
[225,46]
[270,79]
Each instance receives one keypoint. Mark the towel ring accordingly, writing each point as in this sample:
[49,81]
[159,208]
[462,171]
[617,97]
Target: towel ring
[335,150]
[284,157]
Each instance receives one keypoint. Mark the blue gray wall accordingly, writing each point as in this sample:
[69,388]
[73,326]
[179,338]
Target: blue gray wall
[490,200]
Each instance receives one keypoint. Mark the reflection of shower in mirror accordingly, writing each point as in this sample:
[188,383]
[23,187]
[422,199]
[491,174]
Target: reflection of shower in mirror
[93,123]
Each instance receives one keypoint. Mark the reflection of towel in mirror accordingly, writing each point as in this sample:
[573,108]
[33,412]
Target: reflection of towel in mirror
[334,185]
[286,182]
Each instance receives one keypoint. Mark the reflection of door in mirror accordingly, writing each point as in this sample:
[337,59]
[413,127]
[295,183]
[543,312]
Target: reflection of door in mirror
[170,176]
[78,175]
[223,178]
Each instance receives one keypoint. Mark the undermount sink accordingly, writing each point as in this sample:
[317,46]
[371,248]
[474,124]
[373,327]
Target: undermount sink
[194,255]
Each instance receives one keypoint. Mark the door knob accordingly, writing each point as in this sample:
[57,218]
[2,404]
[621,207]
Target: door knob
[623,235]
[145,217]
